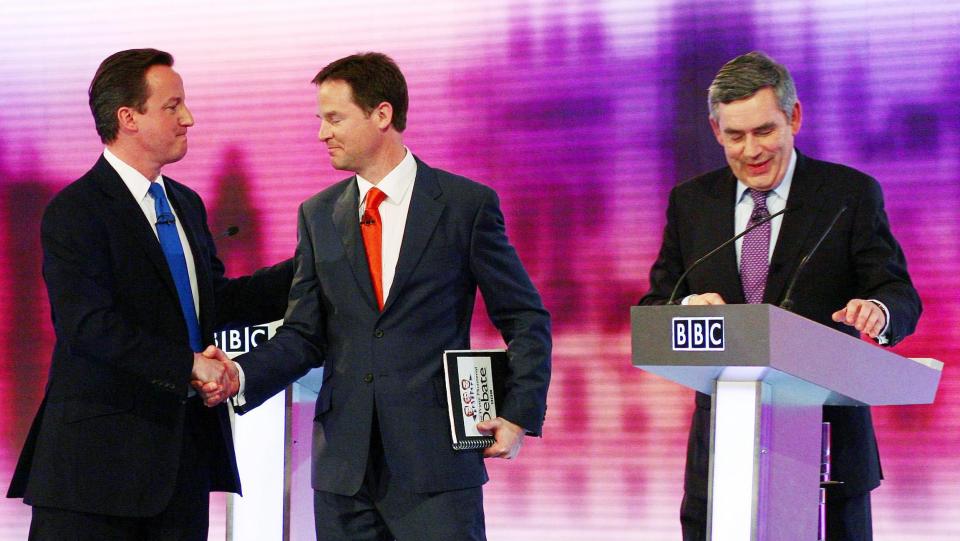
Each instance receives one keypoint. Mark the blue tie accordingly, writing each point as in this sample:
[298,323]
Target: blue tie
[173,251]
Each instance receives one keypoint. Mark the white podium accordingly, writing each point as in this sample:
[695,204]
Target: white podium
[273,454]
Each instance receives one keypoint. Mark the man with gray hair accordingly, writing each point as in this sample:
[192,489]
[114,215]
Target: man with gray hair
[857,282]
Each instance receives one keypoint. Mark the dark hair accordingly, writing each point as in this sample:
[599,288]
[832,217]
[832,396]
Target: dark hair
[121,81]
[746,75]
[374,79]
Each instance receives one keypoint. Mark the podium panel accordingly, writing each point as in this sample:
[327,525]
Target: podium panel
[260,440]
[273,450]
[769,371]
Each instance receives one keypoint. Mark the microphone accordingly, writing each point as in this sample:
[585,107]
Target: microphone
[229,232]
[673,294]
[787,303]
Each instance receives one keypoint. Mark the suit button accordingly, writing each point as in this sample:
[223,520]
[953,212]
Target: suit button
[368,378]
[378,333]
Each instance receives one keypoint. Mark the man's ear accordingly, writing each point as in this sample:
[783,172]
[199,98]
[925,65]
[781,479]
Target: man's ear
[715,126]
[797,119]
[383,115]
[126,120]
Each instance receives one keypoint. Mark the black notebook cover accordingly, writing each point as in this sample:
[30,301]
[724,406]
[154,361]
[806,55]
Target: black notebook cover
[474,381]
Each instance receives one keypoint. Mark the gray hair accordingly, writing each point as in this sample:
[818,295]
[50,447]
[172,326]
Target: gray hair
[746,75]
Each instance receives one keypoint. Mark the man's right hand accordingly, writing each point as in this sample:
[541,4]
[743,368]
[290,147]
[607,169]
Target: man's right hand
[215,376]
[705,298]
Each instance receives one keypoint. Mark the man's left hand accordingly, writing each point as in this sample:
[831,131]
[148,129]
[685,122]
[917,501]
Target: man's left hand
[509,438]
[865,316]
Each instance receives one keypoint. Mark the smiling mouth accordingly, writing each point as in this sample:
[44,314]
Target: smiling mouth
[757,167]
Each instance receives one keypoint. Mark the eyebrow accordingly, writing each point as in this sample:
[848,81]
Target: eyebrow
[173,101]
[761,127]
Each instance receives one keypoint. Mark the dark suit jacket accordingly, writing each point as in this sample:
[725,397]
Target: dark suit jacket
[390,362]
[107,438]
[859,259]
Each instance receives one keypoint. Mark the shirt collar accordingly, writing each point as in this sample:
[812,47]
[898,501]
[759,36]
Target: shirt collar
[781,191]
[397,182]
[133,179]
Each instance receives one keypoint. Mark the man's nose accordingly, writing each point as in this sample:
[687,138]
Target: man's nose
[186,118]
[751,146]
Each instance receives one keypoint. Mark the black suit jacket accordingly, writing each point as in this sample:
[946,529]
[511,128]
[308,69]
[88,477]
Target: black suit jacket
[390,362]
[859,259]
[107,438]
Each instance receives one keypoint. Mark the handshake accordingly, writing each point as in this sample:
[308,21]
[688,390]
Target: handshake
[215,377]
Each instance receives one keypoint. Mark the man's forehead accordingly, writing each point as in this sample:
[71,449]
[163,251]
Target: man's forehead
[165,80]
[729,127]
[160,72]
[335,88]
[337,100]
[741,116]
[327,109]
[765,98]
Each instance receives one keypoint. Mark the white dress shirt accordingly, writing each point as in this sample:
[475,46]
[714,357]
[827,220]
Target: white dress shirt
[398,186]
[139,187]
[776,201]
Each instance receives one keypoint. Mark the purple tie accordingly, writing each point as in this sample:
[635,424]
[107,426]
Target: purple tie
[755,251]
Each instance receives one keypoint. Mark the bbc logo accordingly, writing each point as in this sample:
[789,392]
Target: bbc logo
[698,334]
[239,341]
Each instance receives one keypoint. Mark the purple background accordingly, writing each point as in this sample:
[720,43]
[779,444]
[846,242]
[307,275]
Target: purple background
[582,115]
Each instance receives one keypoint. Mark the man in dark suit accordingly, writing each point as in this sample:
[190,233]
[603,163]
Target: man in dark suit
[387,268]
[857,281]
[119,449]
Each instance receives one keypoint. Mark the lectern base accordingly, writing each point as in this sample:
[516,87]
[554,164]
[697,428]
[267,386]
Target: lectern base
[764,465]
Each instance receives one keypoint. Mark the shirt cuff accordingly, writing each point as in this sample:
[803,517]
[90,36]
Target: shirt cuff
[240,399]
[883,338]
[686,300]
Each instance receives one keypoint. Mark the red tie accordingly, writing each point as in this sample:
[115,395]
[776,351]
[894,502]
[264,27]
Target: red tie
[371,227]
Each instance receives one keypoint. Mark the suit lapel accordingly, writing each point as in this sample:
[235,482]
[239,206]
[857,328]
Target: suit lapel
[131,218]
[422,218]
[796,227]
[722,215]
[346,219]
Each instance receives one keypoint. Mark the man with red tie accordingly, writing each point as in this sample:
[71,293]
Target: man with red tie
[388,264]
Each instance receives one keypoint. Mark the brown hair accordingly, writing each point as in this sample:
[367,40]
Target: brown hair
[374,79]
[121,81]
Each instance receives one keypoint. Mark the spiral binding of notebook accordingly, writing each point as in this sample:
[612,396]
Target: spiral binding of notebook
[471,444]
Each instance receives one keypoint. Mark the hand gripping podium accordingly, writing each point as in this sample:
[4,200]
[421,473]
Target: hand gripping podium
[769,372]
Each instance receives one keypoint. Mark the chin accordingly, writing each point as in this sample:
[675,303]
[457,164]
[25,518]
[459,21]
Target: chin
[340,165]
[178,156]
[762,185]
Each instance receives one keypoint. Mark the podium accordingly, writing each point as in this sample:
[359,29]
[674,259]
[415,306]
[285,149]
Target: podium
[769,372]
[273,452]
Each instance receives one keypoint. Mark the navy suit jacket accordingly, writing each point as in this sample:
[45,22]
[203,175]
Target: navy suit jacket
[860,258]
[389,362]
[108,435]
